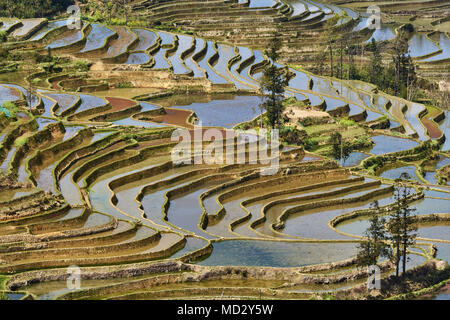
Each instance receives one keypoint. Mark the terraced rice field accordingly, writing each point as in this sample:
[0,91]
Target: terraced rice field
[94,183]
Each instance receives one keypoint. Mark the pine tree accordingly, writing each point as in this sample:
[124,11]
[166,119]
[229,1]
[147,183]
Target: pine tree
[273,84]
[405,70]
[375,246]
[376,65]
[336,142]
[402,224]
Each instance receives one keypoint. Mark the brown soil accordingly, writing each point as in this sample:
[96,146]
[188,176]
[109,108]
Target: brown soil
[432,127]
[55,85]
[174,117]
[118,45]
[146,144]
[119,104]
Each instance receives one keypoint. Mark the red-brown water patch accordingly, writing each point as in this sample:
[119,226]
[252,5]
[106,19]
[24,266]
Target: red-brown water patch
[174,117]
[119,104]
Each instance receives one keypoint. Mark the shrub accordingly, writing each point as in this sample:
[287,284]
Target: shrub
[20,141]
[124,85]
[347,122]
[292,135]
[310,143]
[81,65]
[3,36]
[11,107]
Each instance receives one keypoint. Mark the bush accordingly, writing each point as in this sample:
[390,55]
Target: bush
[81,65]
[124,85]
[3,36]
[21,141]
[347,122]
[11,107]
[310,143]
[292,135]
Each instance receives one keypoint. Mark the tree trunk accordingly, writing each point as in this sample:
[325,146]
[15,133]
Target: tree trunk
[397,259]
[331,59]
[341,66]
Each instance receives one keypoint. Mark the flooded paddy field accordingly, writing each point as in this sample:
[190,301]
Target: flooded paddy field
[88,175]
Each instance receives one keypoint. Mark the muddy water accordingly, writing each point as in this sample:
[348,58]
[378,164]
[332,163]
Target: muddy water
[333,104]
[315,100]
[5,164]
[43,122]
[245,73]
[396,111]
[393,172]
[45,179]
[425,206]
[71,131]
[379,104]
[443,251]
[444,294]
[383,34]
[184,43]
[355,159]
[192,244]
[213,76]
[146,39]
[90,102]
[7,23]
[411,115]
[185,211]
[219,111]
[100,191]
[126,194]
[136,123]
[226,52]
[437,194]
[50,26]
[262,3]
[52,289]
[276,254]
[29,98]
[355,110]
[445,127]
[256,208]
[419,45]
[243,84]
[430,176]
[323,86]
[299,7]
[65,101]
[190,63]
[152,203]
[97,37]
[138,58]
[444,43]
[8,94]
[48,106]
[388,144]
[160,60]
[68,39]
[16,193]
[120,44]
[441,232]
[314,223]
[234,211]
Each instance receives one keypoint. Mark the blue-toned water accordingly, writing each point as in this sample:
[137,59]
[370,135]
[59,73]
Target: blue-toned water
[276,254]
